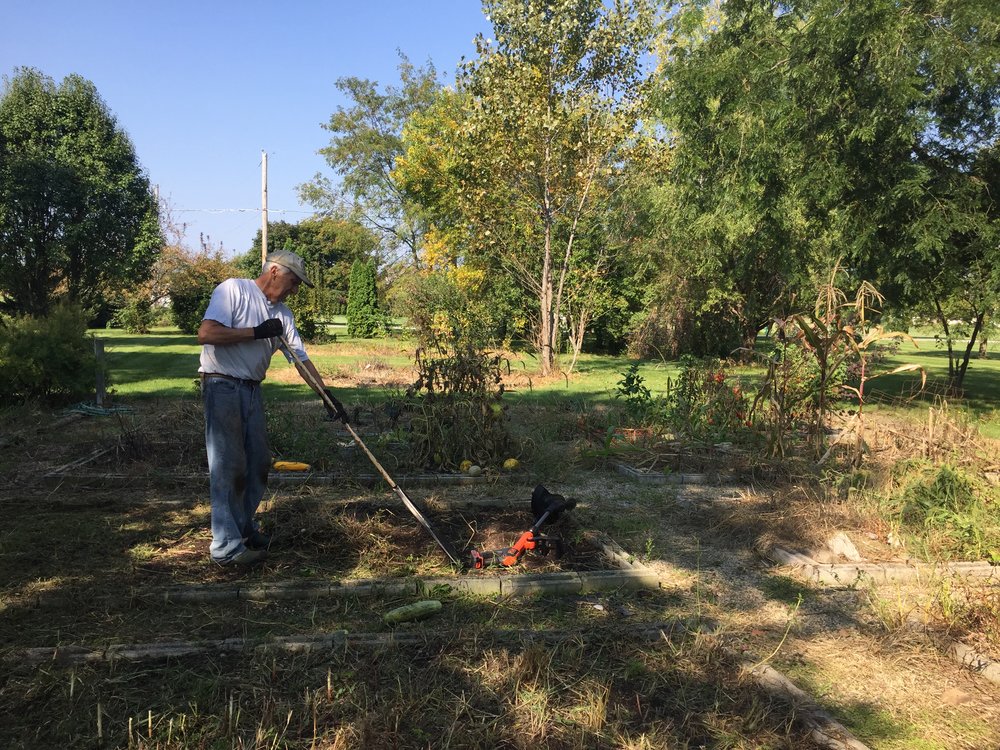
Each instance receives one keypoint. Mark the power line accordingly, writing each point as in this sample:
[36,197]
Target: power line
[240,210]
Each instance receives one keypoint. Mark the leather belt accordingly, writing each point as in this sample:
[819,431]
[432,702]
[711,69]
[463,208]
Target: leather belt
[206,375]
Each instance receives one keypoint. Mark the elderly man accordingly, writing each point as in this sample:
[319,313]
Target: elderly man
[245,323]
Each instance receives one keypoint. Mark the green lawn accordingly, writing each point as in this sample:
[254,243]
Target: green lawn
[982,381]
[165,364]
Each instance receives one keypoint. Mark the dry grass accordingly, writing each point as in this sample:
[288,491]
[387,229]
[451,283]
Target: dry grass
[492,692]
[478,678]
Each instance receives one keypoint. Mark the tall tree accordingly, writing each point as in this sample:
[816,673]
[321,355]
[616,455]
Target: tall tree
[808,131]
[950,213]
[742,226]
[366,141]
[460,295]
[364,318]
[555,100]
[77,218]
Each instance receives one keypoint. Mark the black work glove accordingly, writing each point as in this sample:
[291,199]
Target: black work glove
[268,329]
[337,411]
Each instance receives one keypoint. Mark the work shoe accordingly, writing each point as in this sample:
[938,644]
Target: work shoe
[258,540]
[245,557]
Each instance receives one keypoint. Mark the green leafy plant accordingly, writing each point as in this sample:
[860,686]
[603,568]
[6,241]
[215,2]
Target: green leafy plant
[633,391]
[944,504]
[47,357]
[705,403]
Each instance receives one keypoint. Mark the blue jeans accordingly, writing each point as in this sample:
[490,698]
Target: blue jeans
[239,459]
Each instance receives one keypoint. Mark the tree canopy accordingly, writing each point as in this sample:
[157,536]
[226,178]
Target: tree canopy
[513,170]
[77,217]
[807,132]
[366,140]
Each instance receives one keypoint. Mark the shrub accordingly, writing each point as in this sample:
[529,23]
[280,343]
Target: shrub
[48,357]
[454,307]
[189,298]
[457,410]
[136,315]
[364,319]
[191,284]
[308,327]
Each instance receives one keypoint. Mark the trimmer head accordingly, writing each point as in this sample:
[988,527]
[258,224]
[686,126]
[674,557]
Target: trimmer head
[546,507]
[542,500]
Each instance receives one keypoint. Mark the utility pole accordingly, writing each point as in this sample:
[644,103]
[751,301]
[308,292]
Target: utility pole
[263,204]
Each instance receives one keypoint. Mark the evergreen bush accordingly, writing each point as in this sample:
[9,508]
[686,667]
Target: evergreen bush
[49,357]
[364,319]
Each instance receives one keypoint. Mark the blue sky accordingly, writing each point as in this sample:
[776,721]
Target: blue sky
[203,87]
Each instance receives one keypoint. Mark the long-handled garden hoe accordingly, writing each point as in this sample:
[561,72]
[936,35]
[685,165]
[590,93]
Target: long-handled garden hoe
[414,510]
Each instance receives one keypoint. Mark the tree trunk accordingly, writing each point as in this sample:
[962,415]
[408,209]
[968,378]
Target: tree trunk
[576,337]
[968,351]
[952,370]
[546,333]
[958,364]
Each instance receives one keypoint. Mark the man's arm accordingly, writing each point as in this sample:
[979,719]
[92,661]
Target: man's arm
[307,370]
[311,376]
[214,333]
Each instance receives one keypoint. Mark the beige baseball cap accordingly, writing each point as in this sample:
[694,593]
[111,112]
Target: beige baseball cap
[292,262]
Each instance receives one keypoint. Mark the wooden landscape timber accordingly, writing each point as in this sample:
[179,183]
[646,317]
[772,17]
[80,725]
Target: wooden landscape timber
[853,574]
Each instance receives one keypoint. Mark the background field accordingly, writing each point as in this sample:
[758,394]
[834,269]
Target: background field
[165,363]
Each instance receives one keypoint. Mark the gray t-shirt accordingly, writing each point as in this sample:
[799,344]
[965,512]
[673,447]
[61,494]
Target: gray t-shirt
[239,303]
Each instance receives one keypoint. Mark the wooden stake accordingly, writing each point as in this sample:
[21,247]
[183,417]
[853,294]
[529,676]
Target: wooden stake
[99,356]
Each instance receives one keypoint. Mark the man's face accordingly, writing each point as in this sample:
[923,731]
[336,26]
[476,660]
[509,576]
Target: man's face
[282,283]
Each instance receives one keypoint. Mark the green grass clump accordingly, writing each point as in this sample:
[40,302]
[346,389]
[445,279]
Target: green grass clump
[955,516]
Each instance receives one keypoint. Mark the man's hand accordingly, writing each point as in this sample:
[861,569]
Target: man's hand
[268,329]
[337,411]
